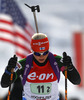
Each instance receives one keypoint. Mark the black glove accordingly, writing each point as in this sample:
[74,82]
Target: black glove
[12,63]
[67,60]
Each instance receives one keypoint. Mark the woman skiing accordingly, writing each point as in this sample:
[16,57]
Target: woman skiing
[40,71]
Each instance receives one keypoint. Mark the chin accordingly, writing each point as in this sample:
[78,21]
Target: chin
[42,61]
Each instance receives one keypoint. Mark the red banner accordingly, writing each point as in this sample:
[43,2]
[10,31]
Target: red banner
[79,54]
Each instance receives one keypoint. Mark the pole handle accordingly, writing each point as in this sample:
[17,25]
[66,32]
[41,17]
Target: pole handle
[33,8]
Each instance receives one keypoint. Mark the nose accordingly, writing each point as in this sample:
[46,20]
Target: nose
[41,55]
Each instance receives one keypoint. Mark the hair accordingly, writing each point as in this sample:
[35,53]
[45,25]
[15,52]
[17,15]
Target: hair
[38,36]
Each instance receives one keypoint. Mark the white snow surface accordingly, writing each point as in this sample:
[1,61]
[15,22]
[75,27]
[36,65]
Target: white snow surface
[58,19]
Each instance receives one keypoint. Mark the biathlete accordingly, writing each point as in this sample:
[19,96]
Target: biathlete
[40,71]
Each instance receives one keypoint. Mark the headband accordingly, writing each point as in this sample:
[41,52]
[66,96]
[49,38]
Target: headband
[40,45]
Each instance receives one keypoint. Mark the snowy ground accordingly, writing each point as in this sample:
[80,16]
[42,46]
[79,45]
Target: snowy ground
[57,19]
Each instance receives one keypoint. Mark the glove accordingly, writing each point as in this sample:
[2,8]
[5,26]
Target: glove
[12,63]
[67,60]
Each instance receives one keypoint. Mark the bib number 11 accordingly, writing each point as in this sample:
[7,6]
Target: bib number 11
[41,88]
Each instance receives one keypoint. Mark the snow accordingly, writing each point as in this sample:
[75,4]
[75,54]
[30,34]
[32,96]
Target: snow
[58,19]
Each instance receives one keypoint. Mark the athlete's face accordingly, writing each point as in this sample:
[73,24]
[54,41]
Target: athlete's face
[41,56]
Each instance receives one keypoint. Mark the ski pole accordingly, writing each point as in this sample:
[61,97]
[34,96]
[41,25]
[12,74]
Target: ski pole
[11,78]
[64,55]
[33,8]
[66,83]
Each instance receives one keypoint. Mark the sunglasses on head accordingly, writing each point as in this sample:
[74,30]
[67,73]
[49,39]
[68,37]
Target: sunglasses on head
[39,54]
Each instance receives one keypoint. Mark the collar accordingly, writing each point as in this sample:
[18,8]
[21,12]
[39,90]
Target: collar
[40,64]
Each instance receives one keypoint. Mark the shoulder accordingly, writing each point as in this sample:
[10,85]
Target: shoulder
[57,56]
[58,60]
[23,62]
[22,59]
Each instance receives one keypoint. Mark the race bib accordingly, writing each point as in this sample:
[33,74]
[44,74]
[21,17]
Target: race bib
[41,88]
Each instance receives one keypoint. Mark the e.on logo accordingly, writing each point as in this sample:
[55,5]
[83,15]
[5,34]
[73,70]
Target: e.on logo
[42,76]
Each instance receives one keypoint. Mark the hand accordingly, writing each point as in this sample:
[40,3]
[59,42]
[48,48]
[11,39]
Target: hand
[67,60]
[12,63]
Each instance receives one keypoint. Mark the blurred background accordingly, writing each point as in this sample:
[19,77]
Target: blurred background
[63,22]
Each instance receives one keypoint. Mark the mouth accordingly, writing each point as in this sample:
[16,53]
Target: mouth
[41,59]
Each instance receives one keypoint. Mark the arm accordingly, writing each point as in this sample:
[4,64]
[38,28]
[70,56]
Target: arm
[9,70]
[72,73]
[5,80]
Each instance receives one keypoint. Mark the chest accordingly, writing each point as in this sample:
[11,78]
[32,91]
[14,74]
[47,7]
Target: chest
[40,74]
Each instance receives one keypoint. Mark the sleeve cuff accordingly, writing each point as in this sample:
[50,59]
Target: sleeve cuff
[7,72]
